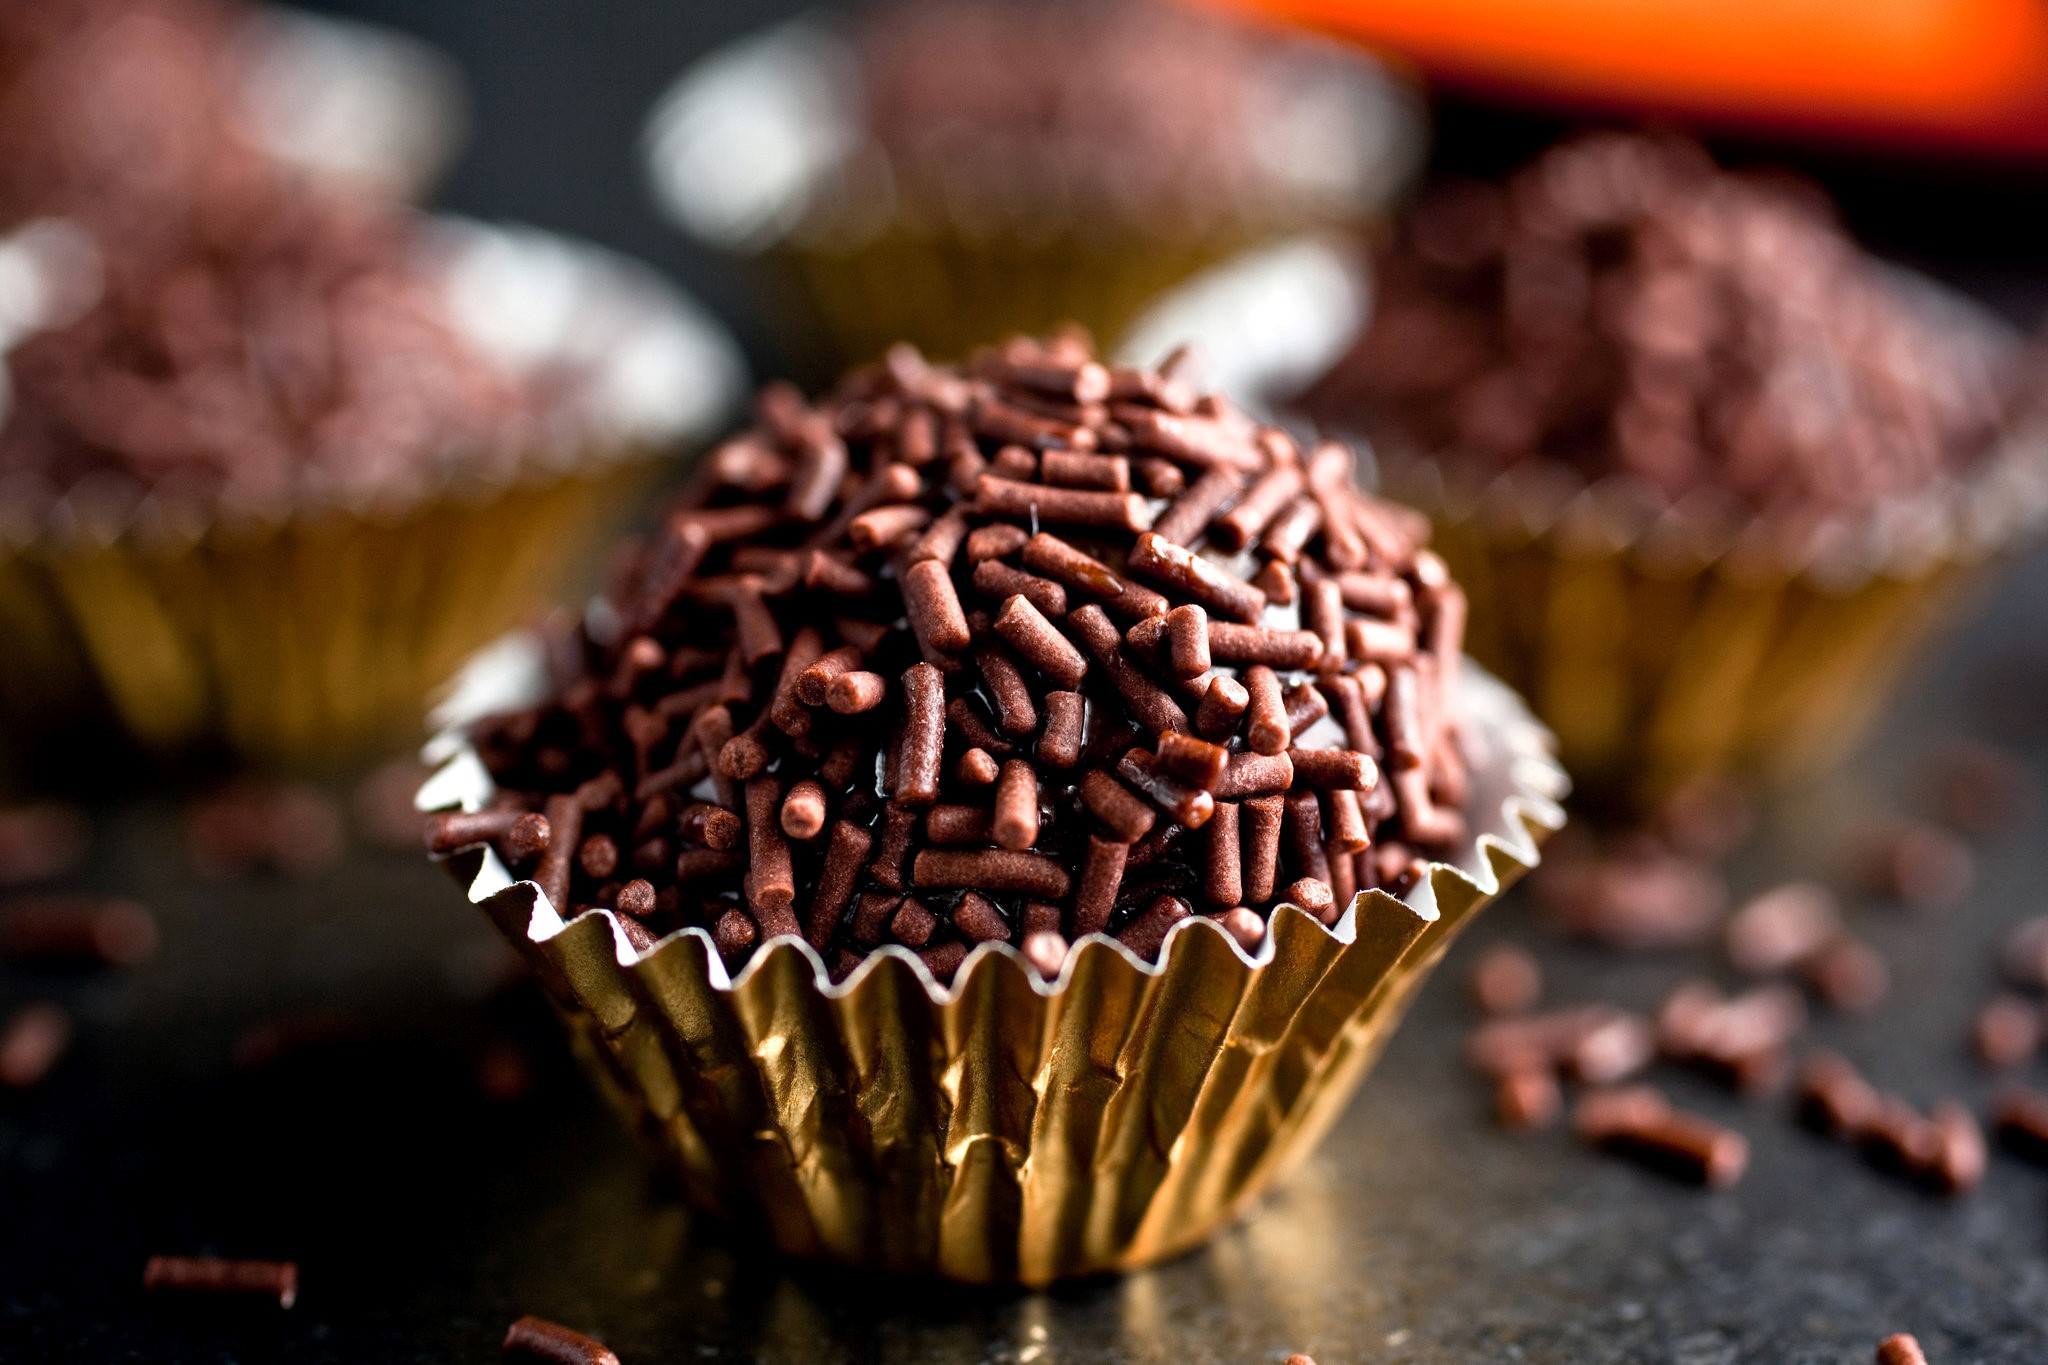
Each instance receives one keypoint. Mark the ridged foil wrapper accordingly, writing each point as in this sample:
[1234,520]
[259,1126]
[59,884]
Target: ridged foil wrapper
[300,635]
[1659,646]
[1004,1128]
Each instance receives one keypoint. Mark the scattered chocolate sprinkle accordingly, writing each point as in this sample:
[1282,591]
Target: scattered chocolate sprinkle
[1740,1039]
[249,827]
[107,931]
[1528,1097]
[215,1275]
[1959,1158]
[1900,1348]
[1897,1138]
[2007,1031]
[1636,897]
[1849,974]
[2021,1117]
[32,1042]
[1506,980]
[1777,930]
[2024,954]
[1640,1123]
[1979,789]
[537,1339]
[1833,1096]
[1916,863]
[41,841]
[1943,1150]
[1707,815]
[1597,1044]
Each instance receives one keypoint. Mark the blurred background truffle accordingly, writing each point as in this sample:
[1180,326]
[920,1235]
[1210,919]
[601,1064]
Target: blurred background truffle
[1712,473]
[950,172]
[260,416]
[1622,307]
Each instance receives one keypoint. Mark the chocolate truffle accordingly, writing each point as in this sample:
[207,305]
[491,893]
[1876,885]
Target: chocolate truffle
[126,116]
[1019,651]
[1623,307]
[312,360]
[1129,112]
[216,327]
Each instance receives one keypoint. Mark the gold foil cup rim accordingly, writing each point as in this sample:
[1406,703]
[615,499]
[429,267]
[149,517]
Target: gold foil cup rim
[654,374]
[1517,802]
[1962,520]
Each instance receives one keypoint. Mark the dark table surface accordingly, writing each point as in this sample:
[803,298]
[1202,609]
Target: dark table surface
[428,1208]
[427,1214]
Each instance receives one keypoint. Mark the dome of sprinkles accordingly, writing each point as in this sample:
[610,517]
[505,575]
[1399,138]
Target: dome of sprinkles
[312,357]
[242,335]
[1144,112]
[1022,651]
[1621,306]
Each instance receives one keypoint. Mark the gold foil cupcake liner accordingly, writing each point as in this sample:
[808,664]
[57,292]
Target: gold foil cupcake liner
[293,644]
[1655,652]
[299,639]
[1004,1128]
[950,290]
[852,258]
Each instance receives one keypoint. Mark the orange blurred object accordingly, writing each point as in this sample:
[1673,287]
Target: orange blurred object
[1938,73]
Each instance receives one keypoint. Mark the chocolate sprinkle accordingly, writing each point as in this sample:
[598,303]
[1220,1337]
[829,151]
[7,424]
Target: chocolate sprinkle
[986,715]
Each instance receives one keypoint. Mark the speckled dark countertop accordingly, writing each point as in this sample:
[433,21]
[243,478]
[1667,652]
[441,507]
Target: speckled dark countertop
[426,1216]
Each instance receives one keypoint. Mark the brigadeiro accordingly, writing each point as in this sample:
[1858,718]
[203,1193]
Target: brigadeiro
[1033,707]
[154,113]
[952,170]
[262,435]
[1709,469]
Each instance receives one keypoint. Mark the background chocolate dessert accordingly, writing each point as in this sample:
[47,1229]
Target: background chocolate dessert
[212,1096]
[246,389]
[1623,307]
[945,173]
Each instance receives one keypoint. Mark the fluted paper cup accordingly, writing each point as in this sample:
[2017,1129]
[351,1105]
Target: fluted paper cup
[1002,1127]
[301,634]
[761,151]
